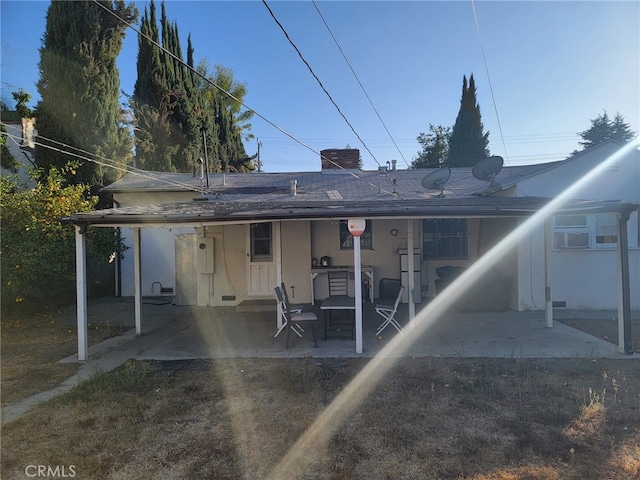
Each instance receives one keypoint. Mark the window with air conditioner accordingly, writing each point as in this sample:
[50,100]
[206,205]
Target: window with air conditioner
[571,231]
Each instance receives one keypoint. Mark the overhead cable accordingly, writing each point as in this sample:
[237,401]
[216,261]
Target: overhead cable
[103,161]
[359,82]
[230,95]
[486,66]
[319,82]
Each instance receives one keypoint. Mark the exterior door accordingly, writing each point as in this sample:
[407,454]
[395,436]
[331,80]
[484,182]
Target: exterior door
[261,271]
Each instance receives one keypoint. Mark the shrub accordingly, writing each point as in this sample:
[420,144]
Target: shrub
[37,253]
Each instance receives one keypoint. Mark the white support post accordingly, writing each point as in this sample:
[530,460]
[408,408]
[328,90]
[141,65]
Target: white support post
[548,300]
[358,291]
[81,294]
[137,279]
[624,292]
[411,268]
[277,237]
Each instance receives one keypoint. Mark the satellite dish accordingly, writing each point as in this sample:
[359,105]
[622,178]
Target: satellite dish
[436,180]
[487,168]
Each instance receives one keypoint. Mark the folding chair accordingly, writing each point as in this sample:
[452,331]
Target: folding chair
[281,294]
[294,319]
[338,287]
[388,313]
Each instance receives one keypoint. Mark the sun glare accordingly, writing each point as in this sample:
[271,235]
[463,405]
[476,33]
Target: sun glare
[304,452]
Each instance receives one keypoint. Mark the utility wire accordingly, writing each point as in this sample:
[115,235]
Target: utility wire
[486,66]
[103,161]
[359,82]
[319,82]
[222,90]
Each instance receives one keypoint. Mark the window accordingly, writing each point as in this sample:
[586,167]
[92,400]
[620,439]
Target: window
[346,239]
[571,231]
[606,231]
[585,231]
[261,242]
[447,238]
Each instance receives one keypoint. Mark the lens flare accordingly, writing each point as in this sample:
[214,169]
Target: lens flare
[304,452]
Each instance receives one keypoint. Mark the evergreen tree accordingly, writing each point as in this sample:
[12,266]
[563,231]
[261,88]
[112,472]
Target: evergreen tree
[177,112]
[165,103]
[435,147]
[602,129]
[79,87]
[468,142]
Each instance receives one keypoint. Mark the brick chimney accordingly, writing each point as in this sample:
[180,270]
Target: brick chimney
[337,160]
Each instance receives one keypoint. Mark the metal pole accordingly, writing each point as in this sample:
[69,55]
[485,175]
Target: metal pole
[410,266]
[548,298]
[358,291]
[624,302]
[137,279]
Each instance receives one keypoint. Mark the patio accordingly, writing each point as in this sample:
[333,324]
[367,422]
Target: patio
[177,333]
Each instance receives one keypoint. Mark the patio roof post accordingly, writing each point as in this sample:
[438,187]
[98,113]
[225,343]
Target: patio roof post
[81,293]
[137,279]
[277,230]
[548,299]
[411,270]
[358,291]
[624,302]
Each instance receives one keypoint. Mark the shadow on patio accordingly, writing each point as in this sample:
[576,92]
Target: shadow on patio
[221,332]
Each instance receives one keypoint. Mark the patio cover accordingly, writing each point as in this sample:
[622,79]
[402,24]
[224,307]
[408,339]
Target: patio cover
[211,211]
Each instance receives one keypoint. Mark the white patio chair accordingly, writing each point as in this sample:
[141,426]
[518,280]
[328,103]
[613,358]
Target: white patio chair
[388,313]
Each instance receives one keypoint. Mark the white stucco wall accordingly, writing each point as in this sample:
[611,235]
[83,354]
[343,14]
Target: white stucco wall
[158,259]
[583,278]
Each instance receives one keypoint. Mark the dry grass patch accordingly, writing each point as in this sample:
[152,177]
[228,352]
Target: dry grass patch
[31,346]
[428,418]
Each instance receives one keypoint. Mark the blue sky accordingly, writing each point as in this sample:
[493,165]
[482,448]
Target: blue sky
[553,66]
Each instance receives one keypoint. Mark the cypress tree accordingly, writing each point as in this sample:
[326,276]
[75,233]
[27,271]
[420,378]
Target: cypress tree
[167,118]
[468,143]
[79,86]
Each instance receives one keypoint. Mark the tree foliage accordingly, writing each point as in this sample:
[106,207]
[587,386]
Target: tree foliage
[177,111]
[79,87]
[38,251]
[602,129]
[468,142]
[435,147]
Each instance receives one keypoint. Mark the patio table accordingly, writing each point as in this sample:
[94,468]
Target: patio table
[337,302]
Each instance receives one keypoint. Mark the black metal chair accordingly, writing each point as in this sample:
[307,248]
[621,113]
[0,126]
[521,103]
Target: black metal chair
[338,287]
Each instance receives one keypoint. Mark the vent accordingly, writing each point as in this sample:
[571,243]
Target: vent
[228,298]
[559,304]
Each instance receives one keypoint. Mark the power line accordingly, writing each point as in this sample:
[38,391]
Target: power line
[358,80]
[319,82]
[486,66]
[222,90]
[103,161]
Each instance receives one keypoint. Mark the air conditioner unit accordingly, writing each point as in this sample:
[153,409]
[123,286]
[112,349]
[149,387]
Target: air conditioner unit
[572,239]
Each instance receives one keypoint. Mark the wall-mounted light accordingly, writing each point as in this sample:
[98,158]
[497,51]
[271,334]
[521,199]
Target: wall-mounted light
[393,232]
